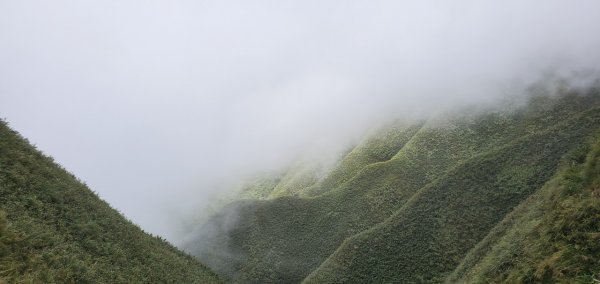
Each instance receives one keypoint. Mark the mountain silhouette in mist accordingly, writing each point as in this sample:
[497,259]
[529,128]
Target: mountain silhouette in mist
[506,194]
[503,195]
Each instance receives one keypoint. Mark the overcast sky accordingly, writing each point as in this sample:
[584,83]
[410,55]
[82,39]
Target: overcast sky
[158,104]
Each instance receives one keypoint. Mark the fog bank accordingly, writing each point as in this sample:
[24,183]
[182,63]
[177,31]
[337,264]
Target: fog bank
[161,105]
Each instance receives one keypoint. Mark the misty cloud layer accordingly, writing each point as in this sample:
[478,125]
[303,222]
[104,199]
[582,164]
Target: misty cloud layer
[158,105]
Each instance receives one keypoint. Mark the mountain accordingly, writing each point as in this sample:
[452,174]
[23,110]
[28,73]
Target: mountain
[53,229]
[553,236]
[507,194]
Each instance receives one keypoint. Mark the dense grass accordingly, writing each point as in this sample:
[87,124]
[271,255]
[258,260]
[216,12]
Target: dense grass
[53,229]
[405,208]
[428,237]
[381,147]
[554,236]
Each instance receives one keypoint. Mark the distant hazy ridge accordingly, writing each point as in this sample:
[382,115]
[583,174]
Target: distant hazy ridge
[505,195]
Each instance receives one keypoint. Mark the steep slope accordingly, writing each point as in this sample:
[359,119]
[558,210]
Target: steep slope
[430,234]
[422,209]
[306,179]
[552,237]
[53,229]
[380,147]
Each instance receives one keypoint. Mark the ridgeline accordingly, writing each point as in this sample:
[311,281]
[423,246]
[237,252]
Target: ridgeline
[54,229]
[504,195]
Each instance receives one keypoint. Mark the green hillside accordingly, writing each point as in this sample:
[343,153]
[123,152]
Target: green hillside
[554,236]
[53,229]
[414,203]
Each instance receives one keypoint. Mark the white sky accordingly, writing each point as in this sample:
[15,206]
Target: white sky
[156,105]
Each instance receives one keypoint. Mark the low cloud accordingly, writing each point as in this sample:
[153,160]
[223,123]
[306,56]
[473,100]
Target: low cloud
[162,105]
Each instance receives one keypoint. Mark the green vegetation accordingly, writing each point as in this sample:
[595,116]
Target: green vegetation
[53,229]
[554,236]
[411,204]
[435,229]
[505,195]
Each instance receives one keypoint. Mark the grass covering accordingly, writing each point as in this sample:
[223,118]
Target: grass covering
[429,236]
[53,229]
[553,237]
[405,206]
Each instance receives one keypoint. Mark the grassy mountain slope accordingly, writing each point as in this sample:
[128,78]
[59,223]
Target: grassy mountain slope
[427,237]
[53,229]
[296,181]
[379,148]
[406,209]
[554,236]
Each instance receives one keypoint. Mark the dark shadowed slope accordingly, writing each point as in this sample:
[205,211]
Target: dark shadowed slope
[409,216]
[53,229]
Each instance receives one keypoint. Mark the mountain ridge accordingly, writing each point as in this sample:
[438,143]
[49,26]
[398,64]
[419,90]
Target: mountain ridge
[290,239]
[53,228]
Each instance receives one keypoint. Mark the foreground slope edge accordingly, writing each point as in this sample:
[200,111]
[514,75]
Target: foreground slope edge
[53,229]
